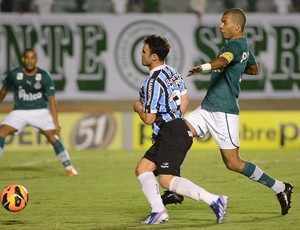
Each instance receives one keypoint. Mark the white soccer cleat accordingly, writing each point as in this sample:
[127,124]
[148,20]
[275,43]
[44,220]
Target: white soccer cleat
[219,207]
[71,171]
[157,218]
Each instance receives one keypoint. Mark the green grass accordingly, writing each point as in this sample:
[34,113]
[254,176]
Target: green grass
[107,195]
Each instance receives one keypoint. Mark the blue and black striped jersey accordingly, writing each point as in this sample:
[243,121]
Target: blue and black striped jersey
[161,94]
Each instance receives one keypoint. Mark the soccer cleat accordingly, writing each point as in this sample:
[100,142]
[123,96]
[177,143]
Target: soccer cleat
[284,198]
[219,207]
[71,172]
[171,198]
[157,218]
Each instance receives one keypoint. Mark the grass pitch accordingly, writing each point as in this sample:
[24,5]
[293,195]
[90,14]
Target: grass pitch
[106,194]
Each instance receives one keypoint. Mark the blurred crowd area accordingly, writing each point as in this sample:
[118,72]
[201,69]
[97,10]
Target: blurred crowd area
[198,7]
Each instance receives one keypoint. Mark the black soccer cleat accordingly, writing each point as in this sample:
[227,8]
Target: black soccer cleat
[171,198]
[284,198]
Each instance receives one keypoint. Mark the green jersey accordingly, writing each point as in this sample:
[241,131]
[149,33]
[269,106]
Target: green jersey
[224,89]
[30,92]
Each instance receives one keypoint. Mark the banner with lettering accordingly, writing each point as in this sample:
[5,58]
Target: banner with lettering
[269,130]
[97,56]
[117,131]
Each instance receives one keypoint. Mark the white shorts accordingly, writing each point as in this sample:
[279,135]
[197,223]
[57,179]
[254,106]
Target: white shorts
[37,118]
[223,127]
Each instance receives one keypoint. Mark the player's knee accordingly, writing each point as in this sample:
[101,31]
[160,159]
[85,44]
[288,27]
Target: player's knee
[5,131]
[230,166]
[1,133]
[164,181]
[139,170]
[164,184]
[233,166]
[50,135]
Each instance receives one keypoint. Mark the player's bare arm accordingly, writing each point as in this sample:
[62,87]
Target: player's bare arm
[147,118]
[3,93]
[217,63]
[184,103]
[252,69]
[53,111]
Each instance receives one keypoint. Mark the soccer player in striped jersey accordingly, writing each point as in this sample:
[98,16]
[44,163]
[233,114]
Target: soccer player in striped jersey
[163,100]
[219,110]
[34,92]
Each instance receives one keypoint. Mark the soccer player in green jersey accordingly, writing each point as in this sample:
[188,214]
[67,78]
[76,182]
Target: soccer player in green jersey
[34,105]
[219,111]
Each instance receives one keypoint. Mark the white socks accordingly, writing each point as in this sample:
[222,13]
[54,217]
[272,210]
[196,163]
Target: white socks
[187,188]
[179,185]
[150,189]
[278,187]
[63,156]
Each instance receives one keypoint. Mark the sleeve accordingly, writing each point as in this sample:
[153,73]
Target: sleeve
[237,52]
[49,86]
[232,51]
[228,56]
[142,95]
[251,60]
[183,89]
[8,81]
[152,91]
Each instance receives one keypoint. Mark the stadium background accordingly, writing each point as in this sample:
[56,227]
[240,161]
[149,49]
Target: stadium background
[94,98]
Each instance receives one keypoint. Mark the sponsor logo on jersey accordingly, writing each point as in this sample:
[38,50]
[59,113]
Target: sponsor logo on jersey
[37,85]
[29,96]
[19,76]
[38,77]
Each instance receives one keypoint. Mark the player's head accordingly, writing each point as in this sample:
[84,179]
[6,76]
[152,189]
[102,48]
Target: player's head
[29,60]
[155,50]
[158,45]
[233,23]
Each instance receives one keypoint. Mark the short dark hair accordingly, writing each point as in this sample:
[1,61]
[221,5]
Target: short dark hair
[158,45]
[29,50]
[239,16]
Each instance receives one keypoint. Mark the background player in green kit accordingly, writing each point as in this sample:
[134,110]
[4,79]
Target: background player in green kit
[219,111]
[34,105]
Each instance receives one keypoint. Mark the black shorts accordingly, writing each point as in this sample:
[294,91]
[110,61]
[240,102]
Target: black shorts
[171,145]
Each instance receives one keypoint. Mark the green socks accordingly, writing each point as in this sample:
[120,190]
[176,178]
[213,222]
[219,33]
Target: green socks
[61,153]
[255,173]
[2,142]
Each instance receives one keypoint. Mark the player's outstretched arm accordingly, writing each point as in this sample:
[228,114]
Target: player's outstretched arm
[195,70]
[217,63]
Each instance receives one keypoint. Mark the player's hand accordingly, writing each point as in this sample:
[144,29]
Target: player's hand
[57,129]
[137,106]
[194,70]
